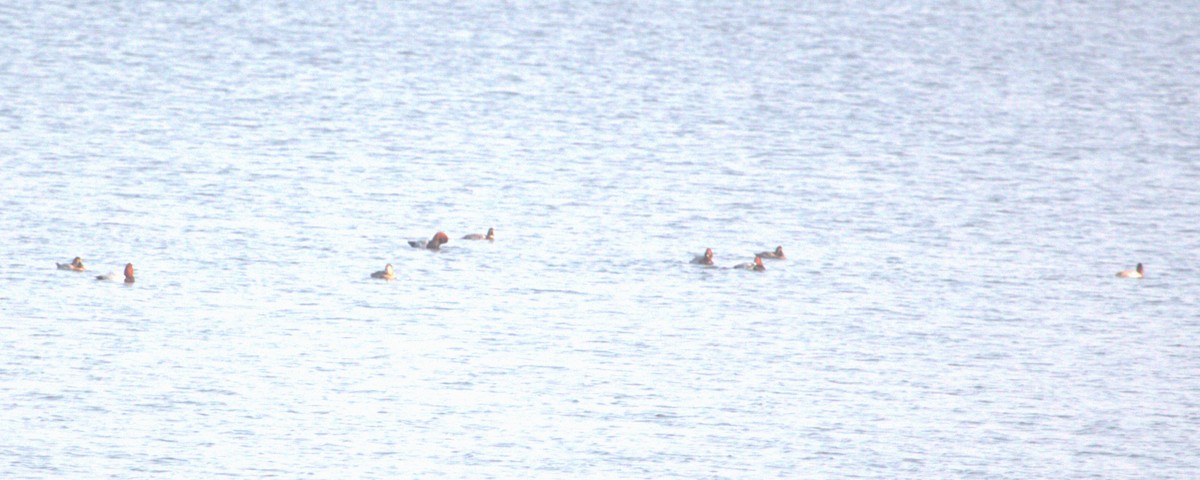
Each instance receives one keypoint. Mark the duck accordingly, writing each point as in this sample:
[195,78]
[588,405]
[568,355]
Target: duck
[387,273]
[1135,273]
[756,266]
[434,243]
[776,255]
[76,265]
[113,276]
[706,259]
[489,236]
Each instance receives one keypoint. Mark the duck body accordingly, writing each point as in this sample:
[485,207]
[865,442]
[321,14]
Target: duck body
[113,277]
[757,266]
[76,265]
[434,243]
[775,255]
[489,236]
[706,259]
[387,273]
[1135,273]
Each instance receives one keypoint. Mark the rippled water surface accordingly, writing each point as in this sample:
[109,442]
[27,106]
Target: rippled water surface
[954,185]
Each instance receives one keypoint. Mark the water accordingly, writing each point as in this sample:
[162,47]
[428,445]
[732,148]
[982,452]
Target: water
[954,185]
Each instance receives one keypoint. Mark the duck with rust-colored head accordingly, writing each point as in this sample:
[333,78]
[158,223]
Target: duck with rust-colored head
[76,265]
[776,255]
[756,266]
[489,236]
[435,243]
[387,273]
[113,276]
[1135,273]
[706,259]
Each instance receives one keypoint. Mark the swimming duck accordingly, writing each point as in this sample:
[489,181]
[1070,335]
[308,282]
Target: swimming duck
[434,243]
[76,265]
[776,255]
[490,236]
[706,259]
[113,276]
[756,266]
[387,273]
[1135,273]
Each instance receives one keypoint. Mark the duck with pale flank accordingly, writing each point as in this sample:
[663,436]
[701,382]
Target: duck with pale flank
[776,255]
[489,236]
[387,273]
[113,276]
[706,259]
[1135,273]
[756,266]
[76,265]
[435,243]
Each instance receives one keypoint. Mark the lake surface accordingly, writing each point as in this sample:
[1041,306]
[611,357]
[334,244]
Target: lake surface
[954,185]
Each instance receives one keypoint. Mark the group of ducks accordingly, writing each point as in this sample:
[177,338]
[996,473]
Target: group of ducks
[707,259]
[440,238]
[757,265]
[435,243]
[77,265]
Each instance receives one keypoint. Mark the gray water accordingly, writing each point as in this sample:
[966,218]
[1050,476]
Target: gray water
[955,186]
